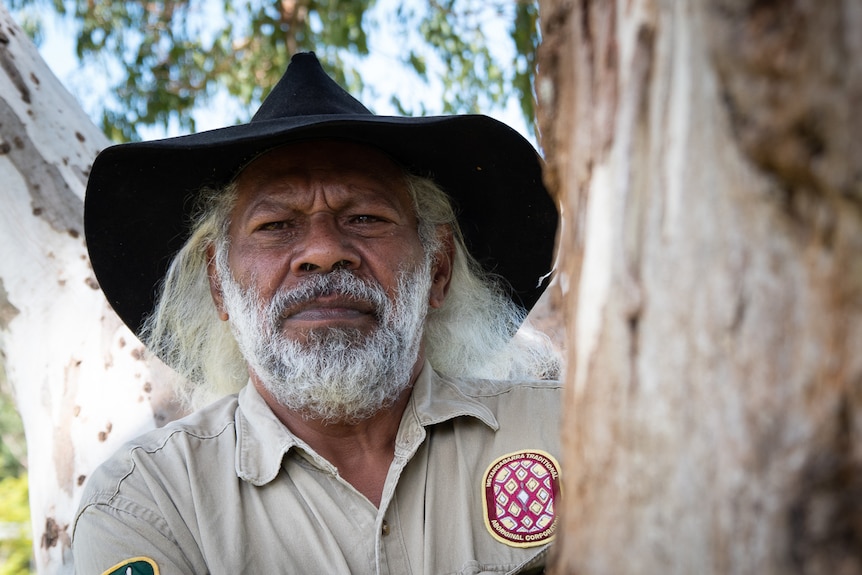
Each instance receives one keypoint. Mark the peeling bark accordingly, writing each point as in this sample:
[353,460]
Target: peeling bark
[7,310]
[50,195]
[711,266]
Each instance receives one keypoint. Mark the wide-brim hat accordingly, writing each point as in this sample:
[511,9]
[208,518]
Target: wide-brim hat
[140,195]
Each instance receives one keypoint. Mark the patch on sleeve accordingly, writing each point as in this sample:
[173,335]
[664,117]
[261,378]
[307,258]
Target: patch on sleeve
[519,493]
[134,566]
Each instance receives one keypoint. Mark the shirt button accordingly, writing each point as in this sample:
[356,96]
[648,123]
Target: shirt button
[384,530]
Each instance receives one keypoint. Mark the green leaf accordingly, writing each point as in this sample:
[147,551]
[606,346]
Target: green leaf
[165,59]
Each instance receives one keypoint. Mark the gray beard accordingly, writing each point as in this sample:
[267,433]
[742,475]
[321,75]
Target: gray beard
[333,374]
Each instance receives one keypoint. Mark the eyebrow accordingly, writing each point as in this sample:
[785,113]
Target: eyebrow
[346,196]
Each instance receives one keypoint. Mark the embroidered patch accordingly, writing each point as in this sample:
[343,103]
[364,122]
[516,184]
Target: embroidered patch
[518,493]
[134,566]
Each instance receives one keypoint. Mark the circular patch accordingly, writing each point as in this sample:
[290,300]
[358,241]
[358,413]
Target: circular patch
[518,493]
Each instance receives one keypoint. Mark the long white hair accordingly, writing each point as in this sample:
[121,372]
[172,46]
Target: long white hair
[474,334]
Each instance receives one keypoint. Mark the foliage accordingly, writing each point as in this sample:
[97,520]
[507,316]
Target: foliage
[473,77]
[16,543]
[167,58]
[13,448]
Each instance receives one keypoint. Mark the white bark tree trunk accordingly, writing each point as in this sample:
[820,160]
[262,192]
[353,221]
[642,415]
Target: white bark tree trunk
[708,157]
[76,371]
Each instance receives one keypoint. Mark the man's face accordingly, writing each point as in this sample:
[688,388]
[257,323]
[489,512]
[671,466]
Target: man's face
[306,209]
[326,282]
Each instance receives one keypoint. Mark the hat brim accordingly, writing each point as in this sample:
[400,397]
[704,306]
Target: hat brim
[140,195]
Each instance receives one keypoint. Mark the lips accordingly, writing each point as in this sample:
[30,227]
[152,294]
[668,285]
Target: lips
[330,308]
[328,299]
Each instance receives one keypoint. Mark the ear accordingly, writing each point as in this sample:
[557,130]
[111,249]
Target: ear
[441,272]
[215,283]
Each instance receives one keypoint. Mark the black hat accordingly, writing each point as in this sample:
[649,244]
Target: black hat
[140,195]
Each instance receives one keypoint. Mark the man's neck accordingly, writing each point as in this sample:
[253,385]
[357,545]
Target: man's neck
[362,451]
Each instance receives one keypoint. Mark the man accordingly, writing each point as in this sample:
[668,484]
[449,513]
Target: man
[319,268]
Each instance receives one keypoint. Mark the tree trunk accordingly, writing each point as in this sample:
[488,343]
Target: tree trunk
[76,372]
[708,158]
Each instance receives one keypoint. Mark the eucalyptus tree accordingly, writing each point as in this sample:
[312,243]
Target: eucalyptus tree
[708,157]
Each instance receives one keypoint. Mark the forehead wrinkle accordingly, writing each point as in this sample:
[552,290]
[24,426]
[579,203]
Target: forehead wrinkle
[337,193]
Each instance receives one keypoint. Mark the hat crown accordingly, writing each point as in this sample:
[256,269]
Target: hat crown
[306,90]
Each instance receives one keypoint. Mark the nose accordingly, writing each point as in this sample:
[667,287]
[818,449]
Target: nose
[325,248]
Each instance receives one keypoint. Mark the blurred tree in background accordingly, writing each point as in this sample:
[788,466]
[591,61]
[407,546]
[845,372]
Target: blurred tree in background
[165,59]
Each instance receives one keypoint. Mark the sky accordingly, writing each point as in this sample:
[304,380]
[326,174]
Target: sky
[381,69]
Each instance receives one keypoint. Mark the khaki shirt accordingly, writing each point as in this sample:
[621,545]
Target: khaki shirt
[230,490]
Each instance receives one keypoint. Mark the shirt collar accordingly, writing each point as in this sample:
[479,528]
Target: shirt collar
[263,441]
[436,399]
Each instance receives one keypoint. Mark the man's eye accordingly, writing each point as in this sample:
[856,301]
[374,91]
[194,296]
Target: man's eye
[273,226]
[365,219]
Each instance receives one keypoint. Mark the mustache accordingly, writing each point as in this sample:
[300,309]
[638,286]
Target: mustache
[341,282]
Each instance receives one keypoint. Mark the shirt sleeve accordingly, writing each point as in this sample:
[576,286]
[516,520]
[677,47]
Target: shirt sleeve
[124,538]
